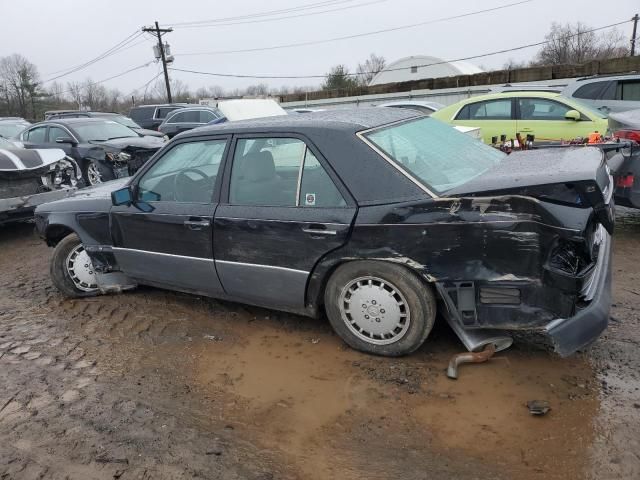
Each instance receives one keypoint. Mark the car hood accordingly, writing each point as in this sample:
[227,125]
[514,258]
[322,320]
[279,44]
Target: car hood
[625,120]
[21,159]
[102,190]
[148,133]
[136,142]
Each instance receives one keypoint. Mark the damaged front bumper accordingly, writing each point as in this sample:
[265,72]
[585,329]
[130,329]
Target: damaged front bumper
[20,208]
[571,334]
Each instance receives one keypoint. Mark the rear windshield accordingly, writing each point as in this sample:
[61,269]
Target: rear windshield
[434,153]
[141,113]
[100,131]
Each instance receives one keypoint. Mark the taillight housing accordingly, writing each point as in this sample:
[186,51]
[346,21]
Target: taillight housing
[628,135]
[625,181]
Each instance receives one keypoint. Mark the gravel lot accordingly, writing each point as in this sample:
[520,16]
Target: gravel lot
[155,384]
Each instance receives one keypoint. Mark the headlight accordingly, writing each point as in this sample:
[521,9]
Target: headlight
[118,157]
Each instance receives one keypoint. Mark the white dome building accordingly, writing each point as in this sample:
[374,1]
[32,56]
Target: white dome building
[420,67]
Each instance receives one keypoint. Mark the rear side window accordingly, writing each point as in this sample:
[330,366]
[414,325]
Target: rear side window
[590,91]
[206,116]
[280,172]
[162,112]
[141,113]
[36,135]
[487,110]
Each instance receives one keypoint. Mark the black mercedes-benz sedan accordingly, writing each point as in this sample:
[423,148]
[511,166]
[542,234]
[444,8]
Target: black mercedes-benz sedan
[104,149]
[379,217]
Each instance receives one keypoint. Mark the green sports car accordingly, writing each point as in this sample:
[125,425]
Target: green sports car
[549,116]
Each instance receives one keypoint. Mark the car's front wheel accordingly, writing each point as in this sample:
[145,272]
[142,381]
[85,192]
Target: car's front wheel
[71,269]
[95,172]
[380,307]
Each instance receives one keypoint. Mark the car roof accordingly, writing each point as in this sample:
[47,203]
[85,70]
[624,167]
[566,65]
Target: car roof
[351,119]
[511,94]
[13,119]
[612,76]
[75,121]
[161,105]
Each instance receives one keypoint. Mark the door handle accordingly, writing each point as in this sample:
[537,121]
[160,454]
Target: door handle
[196,224]
[319,229]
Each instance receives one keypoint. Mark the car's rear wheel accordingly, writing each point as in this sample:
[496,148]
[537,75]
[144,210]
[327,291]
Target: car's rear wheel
[95,173]
[71,269]
[379,307]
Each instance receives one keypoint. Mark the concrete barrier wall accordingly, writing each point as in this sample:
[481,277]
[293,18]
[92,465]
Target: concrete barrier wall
[448,90]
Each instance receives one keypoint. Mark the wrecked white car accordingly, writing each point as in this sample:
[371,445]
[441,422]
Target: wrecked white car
[29,178]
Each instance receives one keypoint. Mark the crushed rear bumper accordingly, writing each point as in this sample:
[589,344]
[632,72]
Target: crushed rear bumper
[570,334]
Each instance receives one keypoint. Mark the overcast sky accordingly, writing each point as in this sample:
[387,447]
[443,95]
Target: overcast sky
[66,33]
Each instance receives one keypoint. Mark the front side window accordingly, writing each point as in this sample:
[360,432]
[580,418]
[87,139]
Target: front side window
[36,135]
[187,173]
[628,90]
[280,172]
[487,110]
[542,109]
[434,153]
[57,132]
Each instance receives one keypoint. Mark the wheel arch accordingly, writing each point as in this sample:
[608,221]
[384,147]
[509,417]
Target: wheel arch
[54,233]
[326,268]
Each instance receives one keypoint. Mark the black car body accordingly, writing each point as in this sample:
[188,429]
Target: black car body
[29,178]
[187,118]
[116,117]
[339,211]
[151,116]
[103,149]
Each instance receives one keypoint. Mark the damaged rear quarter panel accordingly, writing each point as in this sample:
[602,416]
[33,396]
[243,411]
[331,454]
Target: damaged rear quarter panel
[490,241]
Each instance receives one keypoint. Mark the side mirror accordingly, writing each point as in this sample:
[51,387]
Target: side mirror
[573,115]
[124,196]
[68,140]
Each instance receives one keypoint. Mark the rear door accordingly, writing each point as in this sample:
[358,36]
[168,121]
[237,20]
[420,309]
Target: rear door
[494,117]
[166,239]
[283,209]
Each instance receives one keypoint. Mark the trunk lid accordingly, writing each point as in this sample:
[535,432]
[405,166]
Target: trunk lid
[577,176]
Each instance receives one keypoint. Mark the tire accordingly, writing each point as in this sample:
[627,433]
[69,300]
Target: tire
[63,275]
[95,172]
[356,295]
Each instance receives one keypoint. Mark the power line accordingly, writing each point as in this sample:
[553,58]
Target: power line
[308,14]
[110,78]
[115,49]
[264,14]
[497,52]
[358,35]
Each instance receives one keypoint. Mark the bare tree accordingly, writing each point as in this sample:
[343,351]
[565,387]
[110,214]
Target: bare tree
[257,90]
[179,90]
[94,95]
[75,92]
[512,64]
[370,68]
[56,92]
[577,43]
[20,79]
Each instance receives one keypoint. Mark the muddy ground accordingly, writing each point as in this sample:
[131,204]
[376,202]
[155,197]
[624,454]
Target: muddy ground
[155,384]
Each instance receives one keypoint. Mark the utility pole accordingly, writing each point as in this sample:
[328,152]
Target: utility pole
[635,34]
[158,32]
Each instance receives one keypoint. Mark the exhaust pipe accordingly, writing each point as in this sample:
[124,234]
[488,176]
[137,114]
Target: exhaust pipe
[476,340]
[469,357]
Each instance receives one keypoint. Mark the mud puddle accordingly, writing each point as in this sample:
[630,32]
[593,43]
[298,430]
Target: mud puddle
[305,396]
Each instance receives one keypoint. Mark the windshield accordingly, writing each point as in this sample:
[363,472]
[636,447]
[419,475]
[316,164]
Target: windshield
[434,153]
[6,143]
[10,130]
[100,131]
[589,109]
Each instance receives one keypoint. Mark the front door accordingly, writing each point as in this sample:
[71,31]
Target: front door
[284,209]
[545,119]
[172,245]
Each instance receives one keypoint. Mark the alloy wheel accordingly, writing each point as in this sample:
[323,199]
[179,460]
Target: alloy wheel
[81,270]
[374,310]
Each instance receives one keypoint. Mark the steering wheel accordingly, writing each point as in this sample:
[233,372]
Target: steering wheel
[177,191]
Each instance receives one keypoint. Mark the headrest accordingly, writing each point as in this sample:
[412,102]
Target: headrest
[259,166]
